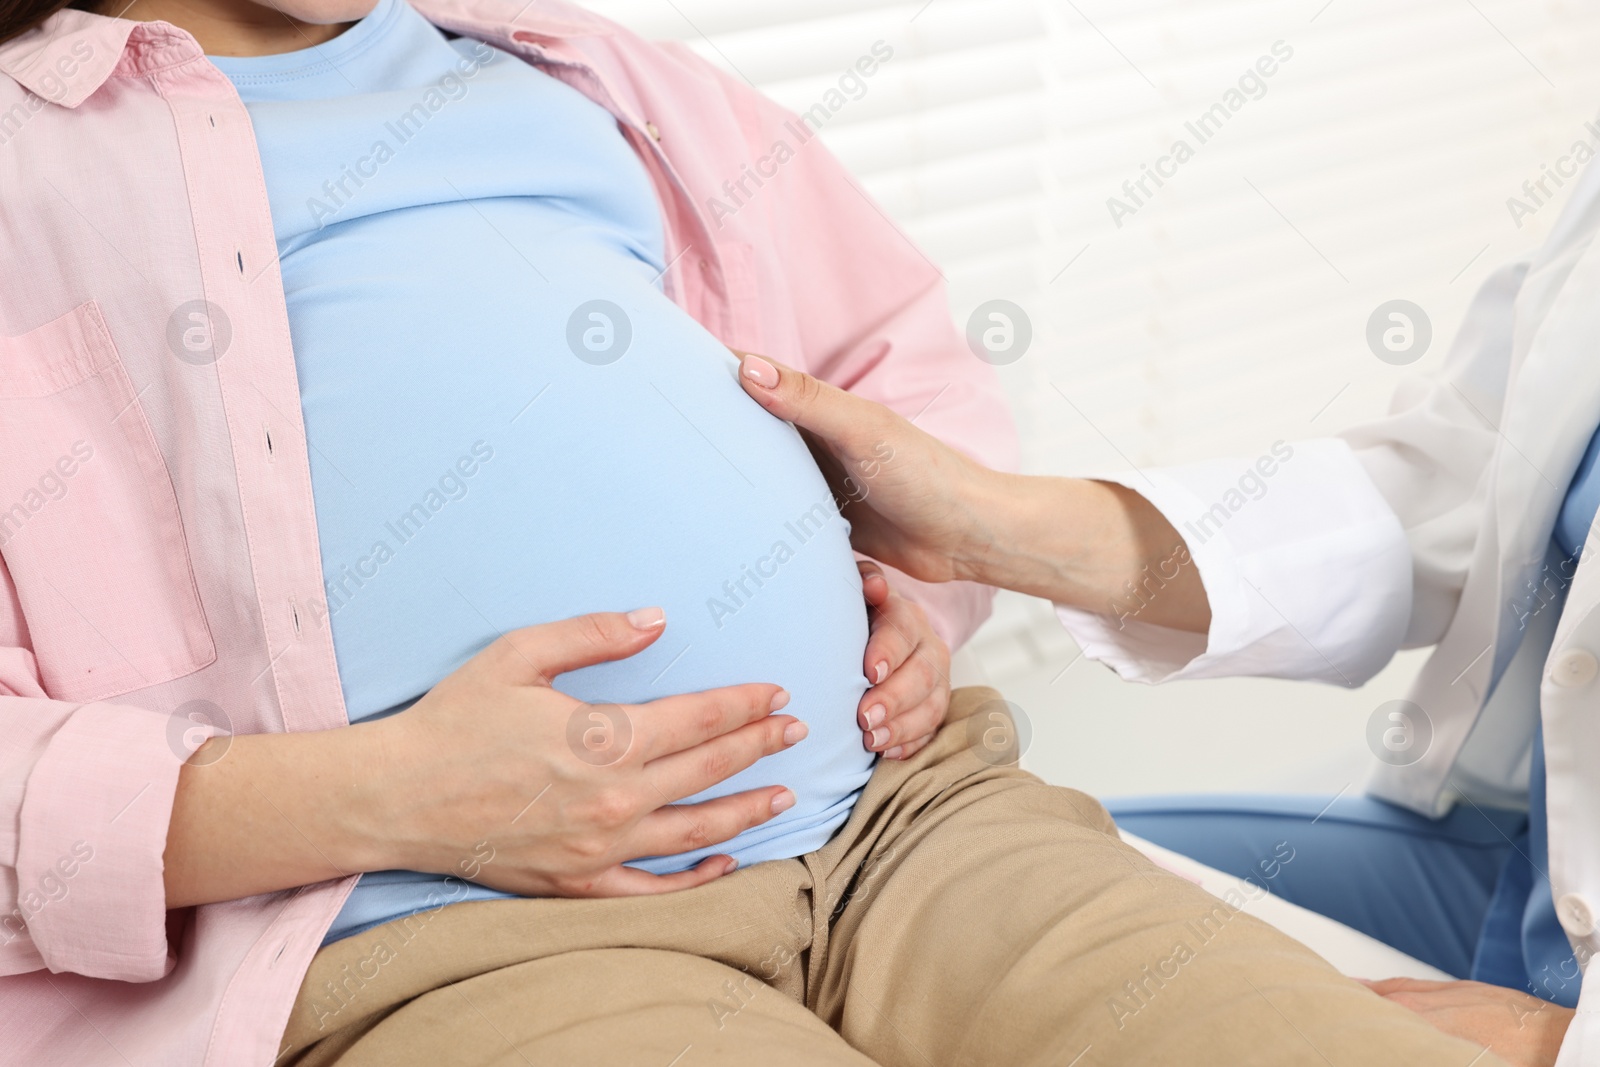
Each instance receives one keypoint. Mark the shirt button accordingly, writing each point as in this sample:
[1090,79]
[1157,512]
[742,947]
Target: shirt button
[650,128]
[1575,914]
[1574,668]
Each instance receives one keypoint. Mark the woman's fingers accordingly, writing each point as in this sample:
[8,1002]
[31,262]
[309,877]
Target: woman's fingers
[683,774]
[906,751]
[620,881]
[908,667]
[910,686]
[679,723]
[681,828]
[874,586]
[534,655]
[916,722]
[888,648]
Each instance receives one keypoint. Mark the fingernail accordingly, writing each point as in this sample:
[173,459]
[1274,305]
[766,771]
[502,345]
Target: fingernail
[780,700]
[795,733]
[782,802]
[731,866]
[883,672]
[894,753]
[875,716]
[879,736]
[647,618]
[761,372]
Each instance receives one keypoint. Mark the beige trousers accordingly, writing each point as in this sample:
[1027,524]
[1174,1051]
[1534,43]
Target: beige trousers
[967,914]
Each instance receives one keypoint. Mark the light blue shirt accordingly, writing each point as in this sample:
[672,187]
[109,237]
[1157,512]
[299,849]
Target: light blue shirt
[1523,944]
[1581,503]
[509,423]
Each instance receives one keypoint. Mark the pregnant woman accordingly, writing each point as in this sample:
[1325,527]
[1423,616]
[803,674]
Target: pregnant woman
[353,358]
[480,282]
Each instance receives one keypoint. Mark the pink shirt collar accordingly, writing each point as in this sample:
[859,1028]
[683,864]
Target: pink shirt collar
[66,60]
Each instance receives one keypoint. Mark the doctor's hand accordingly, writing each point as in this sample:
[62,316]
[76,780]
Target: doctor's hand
[912,501]
[917,504]
[1522,1030]
[561,793]
[908,665]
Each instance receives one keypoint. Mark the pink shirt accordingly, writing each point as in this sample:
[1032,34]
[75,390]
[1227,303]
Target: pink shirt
[156,524]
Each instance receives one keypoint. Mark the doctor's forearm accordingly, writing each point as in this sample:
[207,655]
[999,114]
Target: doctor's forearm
[940,515]
[1086,544]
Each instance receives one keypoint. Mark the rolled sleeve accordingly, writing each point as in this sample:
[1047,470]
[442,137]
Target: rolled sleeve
[1307,570]
[91,836]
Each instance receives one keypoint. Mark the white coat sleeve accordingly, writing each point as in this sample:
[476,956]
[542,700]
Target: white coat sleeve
[1307,571]
[1350,549]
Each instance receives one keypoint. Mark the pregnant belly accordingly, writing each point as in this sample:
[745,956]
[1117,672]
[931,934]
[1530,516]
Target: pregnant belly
[594,486]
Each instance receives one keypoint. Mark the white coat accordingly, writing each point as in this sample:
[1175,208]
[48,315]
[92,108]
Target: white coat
[1430,527]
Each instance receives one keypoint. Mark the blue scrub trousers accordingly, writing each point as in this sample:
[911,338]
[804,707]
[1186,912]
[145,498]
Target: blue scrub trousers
[1422,885]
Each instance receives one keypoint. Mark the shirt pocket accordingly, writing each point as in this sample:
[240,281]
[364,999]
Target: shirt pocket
[89,524]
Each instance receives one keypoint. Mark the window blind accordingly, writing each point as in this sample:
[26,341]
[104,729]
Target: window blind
[1228,308]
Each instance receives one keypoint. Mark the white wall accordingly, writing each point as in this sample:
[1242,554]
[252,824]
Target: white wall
[1229,309]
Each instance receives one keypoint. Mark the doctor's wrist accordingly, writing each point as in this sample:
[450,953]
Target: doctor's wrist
[1082,544]
[1019,536]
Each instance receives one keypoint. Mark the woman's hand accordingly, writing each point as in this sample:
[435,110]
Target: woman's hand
[493,776]
[908,665]
[563,793]
[1522,1030]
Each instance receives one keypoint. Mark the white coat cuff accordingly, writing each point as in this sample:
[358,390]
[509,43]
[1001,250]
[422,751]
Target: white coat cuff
[1306,566]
